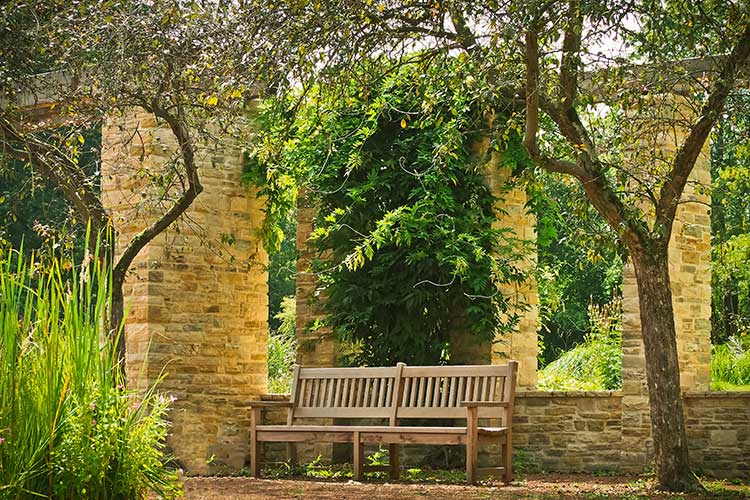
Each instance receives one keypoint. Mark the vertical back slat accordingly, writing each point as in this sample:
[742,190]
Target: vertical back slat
[372,398]
[452,392]
[381,392]
[428,393]
[389,392]
[493,392]
[444,394]
[352,390]
[436,392]
[460,395]
[485,385]
[398,387]
[310,392]
[404,401]
[329,397]
[337,392]
[477,383]
[420,394]
[302,392]
[319,392]
[366,393]
[357,393]
[413,392]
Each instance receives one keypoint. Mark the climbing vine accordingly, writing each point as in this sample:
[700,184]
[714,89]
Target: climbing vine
[408,254]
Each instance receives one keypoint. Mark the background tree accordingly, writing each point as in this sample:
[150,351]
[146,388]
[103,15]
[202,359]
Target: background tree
[555,60]
[730,221]
[580,262]
[191,64]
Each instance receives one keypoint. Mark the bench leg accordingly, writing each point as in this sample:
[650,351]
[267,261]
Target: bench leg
[359,457]
[255,446]
[471,446]
[394,462]
[508,459]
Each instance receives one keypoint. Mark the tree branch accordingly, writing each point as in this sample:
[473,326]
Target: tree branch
[571,55]
[687,155]
[532,92]
[194,188]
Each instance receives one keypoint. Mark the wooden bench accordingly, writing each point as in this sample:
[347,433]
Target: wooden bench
[394,394]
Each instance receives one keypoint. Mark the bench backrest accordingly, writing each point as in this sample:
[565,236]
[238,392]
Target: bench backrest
[401,391]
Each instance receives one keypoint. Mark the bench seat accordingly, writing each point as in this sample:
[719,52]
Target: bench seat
[375,428]
[395,394]
[381,434]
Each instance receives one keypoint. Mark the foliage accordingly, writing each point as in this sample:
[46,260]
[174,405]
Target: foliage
[730,222]
[405,214]
[282,348]
[282,270]
[36,216]
[595,364]
[579,262]
[730,364]
[68,428]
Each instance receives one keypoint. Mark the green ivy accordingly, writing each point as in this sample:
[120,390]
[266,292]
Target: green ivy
[405,214]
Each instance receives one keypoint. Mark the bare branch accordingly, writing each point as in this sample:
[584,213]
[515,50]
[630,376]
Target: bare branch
[571,55]
[532,92]
[194,188]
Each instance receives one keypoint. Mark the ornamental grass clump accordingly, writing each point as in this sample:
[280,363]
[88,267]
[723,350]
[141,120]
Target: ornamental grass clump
[730,365]
[68,426]
[596,363]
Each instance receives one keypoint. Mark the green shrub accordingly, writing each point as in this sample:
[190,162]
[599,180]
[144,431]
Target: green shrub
[68,427]
[730,364]
[282,348]
[595,364]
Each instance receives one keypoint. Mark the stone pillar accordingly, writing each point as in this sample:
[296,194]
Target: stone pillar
[197,295]
[690,276]
[521,344]
[316,345]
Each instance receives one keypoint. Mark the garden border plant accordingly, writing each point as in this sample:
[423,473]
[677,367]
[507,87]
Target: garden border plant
[68,426]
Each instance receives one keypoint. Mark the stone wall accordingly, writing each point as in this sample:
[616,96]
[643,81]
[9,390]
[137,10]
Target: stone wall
[568,431]
[718,428]
[197,308]
[587,432]
[316,346]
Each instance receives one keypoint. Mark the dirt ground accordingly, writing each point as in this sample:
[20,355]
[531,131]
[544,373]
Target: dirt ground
[546,487]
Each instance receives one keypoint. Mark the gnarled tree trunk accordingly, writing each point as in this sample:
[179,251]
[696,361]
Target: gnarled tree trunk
[662,368]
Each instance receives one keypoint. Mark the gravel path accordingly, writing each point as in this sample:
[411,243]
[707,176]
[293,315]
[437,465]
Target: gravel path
[542,487]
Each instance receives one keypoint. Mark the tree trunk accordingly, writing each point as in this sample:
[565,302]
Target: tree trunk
[662,369]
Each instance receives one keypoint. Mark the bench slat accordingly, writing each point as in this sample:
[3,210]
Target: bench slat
[354,373]
[454,370]
[344,412]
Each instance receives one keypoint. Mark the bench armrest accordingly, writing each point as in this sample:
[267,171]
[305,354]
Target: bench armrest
[270,404]
[485,404]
